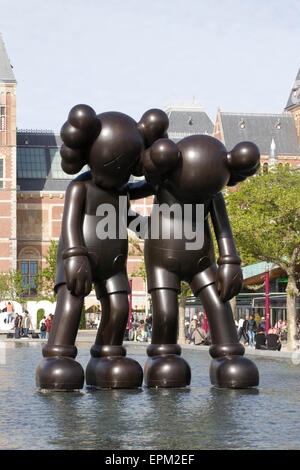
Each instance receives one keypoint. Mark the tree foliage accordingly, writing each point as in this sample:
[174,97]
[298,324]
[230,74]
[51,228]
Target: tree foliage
[265,218]
[12,286]
[46,277]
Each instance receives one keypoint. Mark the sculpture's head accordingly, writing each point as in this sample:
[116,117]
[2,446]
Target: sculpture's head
[110,143]
[198,167]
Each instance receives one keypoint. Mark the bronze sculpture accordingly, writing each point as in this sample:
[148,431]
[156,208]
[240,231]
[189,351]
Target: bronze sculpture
[111,144]
[194,172]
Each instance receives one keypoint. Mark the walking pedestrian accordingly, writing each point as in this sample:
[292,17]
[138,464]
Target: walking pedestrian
[26,324]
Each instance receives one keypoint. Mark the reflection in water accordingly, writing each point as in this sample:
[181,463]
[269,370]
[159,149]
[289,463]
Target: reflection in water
[199,417]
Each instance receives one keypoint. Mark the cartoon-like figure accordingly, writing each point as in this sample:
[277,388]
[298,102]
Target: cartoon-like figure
[111,144]
[194,172]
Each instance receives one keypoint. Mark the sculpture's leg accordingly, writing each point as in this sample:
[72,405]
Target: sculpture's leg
[165,367]
[228,368]
[108,366]
[58,370]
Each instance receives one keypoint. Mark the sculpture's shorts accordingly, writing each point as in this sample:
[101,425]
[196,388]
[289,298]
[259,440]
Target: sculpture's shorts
[167,268]
[109,273]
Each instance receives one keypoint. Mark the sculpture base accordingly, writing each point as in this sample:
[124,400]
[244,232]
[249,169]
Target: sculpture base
[113,372]
[233,372]
[168,371]
[59,374]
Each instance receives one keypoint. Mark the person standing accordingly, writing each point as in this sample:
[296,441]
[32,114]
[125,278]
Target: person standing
[48,325]
[192,327]
[9,310]
[251,331]
[199,336]
[26,324]
[17,324]
[43,328]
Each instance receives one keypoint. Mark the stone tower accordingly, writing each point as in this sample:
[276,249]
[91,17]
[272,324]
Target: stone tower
[293,104]
[8,170]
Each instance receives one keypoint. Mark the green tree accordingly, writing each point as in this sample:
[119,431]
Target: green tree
[265,219]
[46,277]
[12,286]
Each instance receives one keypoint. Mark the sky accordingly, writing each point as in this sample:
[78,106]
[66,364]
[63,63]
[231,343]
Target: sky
[132,55]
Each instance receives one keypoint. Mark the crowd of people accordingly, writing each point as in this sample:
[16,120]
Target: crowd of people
[141,330]
[22,323]
[195,333]
[254,334]
[250,331]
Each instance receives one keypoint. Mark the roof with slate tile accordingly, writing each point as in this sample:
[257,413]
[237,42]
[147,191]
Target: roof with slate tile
[6,71]
[294,98]
[188,119]
[261,128]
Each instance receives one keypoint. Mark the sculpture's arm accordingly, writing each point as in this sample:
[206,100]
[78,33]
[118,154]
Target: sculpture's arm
[76,263]
[229,275]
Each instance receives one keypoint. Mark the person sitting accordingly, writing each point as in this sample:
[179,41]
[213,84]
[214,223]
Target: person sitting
[273,341]
[260,339]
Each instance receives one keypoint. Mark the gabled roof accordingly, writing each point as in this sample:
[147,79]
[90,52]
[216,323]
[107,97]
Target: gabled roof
[294,98]
[188,119]
[261,129]
[6,71]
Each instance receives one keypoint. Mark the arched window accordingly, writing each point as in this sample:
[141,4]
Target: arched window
[29,260]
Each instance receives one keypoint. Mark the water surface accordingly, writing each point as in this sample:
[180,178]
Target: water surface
[199,417]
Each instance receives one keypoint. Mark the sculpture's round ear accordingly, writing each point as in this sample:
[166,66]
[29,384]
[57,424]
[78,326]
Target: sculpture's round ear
[243,161]
[81,128]
[153,125]
[161,157]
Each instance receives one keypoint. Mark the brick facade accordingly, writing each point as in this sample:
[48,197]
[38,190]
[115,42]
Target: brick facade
[8,176]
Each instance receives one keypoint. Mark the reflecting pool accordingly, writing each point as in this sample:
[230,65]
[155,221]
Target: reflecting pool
[200,417]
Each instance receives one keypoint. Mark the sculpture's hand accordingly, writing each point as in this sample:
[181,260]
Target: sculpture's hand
[78,275]
[229,281]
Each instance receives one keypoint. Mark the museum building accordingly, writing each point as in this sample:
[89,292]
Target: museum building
[33,185]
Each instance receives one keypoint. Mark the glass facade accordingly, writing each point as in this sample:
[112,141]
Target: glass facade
[56,169]
[31,162]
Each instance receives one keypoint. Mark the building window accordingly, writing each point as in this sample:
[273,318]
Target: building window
[1,172]
[2,117]
[29,270]
[31,162]
[56,169]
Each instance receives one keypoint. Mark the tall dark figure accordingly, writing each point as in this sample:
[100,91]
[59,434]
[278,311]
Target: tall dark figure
[111,144]
[194,172]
